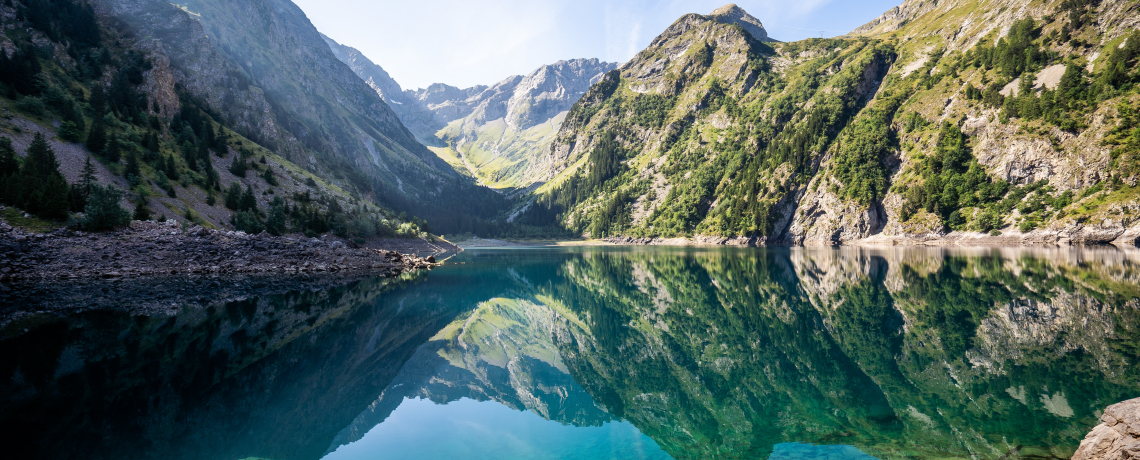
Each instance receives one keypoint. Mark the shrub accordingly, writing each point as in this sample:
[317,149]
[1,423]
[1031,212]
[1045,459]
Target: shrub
[32,106]
[276,224]
[247,222]
[103,211]
[70,132]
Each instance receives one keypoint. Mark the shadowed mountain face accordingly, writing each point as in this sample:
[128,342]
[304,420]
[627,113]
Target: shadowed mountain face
[313,96]
[262,68]
[420,121]
[711,353]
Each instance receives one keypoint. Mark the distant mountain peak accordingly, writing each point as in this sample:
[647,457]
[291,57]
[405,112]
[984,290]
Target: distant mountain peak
[732,14]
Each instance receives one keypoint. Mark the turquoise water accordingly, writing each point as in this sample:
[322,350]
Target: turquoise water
[486,430]
[585,353]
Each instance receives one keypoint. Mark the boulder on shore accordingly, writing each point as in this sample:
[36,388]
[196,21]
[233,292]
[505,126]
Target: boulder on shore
[1118,438]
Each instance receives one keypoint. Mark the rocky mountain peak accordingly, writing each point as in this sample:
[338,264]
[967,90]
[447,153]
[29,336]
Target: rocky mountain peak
[732,14]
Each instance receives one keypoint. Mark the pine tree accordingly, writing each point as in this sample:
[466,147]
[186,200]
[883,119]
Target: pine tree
[171,168]
[103,211]
[98,103]
[190,154]
[41,159]
[152,143]
[132,172]
[142,213]
[82,190]
[8,164]
[54,203]
[238,167]
[97,137]
[41,187]
[276,224]
[233,197]
[113,152]
[249,200]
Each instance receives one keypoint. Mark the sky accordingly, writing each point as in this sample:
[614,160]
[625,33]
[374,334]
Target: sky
[468,42]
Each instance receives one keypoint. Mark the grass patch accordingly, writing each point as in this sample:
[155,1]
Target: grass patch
[15,218]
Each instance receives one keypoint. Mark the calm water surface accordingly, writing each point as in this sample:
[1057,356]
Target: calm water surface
[584,353]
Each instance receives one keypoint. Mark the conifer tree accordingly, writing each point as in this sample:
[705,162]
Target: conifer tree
[249,200]
[233,197]
[45,192]
[276,223]
[132,172]
[238,167]
[97,137]
[113,151]
[8,163]
[103,211]
[171,168]
[87,177]
[142,213]
[41,161]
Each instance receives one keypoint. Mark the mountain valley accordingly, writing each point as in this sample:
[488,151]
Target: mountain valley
[937,123]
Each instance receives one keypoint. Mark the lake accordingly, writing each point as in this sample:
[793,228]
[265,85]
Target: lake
[584,353]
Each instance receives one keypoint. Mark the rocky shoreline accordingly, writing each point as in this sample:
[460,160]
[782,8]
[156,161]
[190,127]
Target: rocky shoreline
[162,249]
[1077,236]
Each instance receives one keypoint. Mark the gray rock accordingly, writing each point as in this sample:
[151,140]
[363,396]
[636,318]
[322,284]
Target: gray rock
[1118,438]
[732,14]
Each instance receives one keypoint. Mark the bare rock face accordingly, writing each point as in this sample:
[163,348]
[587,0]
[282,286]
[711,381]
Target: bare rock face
[732,14]
[1118,438]
[824,219]
[524,100]
[413,114]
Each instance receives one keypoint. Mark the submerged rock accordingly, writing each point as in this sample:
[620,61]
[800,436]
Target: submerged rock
[1118,438]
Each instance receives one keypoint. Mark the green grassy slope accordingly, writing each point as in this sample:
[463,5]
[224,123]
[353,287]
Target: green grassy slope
[707,132]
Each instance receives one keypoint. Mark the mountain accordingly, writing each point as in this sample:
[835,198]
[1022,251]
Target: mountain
[993,121]
[497,132]
[489,132]
[191,105]
[502,352]
[139,88]
[334,115]
[732,14]
[411,112]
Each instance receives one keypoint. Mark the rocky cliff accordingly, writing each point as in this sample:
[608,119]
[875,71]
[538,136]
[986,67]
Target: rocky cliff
[712,134]
[498,132]
[203,92]
[492,133]
[1118,438]
[411,112]
[331,110]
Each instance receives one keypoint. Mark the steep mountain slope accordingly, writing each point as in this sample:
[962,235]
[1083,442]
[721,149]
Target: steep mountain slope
[177,90]
[163,115]
[414,115]
[732,14]
[497,132]
[489,132]
[714,135]
[321,98]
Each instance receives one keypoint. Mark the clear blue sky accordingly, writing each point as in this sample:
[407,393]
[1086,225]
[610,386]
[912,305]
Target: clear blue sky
[468,42]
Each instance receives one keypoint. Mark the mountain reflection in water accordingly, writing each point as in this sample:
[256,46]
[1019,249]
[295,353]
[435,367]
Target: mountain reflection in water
[699,353]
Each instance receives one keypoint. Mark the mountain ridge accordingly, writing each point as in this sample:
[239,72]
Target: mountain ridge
[462,125]
[831,141]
